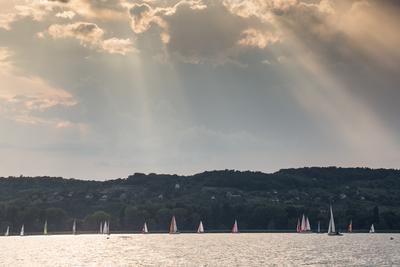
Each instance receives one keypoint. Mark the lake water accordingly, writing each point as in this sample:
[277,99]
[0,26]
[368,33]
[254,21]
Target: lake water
[201,250]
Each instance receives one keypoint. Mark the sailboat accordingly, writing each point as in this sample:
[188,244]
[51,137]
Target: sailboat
[7,231]
[106,228]
[74,228]
[144,229]
[200,229]
[305,225]
[22,233]
[235,228]
[173,228]
[372,230]
[298,227]
[350,227]
[308,227]
[101,228]
[45,228]
[331,228]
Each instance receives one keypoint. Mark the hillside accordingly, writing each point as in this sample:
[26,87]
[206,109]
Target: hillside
[258,200]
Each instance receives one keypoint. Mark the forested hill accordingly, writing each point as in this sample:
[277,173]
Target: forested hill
[259,201]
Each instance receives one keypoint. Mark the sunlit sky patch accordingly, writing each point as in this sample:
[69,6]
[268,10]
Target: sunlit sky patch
[104,88]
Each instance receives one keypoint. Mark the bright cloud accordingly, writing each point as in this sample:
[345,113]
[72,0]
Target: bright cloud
[89,34]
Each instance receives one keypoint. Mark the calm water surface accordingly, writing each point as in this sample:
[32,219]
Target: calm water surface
[202,250]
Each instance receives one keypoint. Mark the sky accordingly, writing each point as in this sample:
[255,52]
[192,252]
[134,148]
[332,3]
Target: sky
[100,89]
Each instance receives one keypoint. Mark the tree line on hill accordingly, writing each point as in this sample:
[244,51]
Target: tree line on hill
[259,201]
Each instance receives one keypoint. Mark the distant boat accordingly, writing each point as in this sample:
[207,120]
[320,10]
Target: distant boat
[372,230]
[298,227]
[74,228]
[173,228]
[144,229]
[105,227]
[200,229]
[7,231]
[308,227]
[101,228]
[235,228]
[22,233]
[350,227]
[45,228]
[332,228]
[305,225]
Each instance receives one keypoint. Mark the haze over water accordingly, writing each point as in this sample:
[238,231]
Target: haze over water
[201,250]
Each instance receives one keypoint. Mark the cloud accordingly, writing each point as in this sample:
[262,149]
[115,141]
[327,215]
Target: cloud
[92,36]
[87,33]
[118,46]
[24,98]
[66,15]
[6,20]
[60,1]
[201,31]
[142,16]
[255,38]
[99,9]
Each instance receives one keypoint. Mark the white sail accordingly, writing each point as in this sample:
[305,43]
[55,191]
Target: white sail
[319,227]
[101,228]
[308,227]
[22,231]
[173,228]
[372,230]
[145,230]
[45,228]
[7,231]
[200,229]
[303,226]
[331,228]
[105,227]
[235,228]
[108,228]
[74,228]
